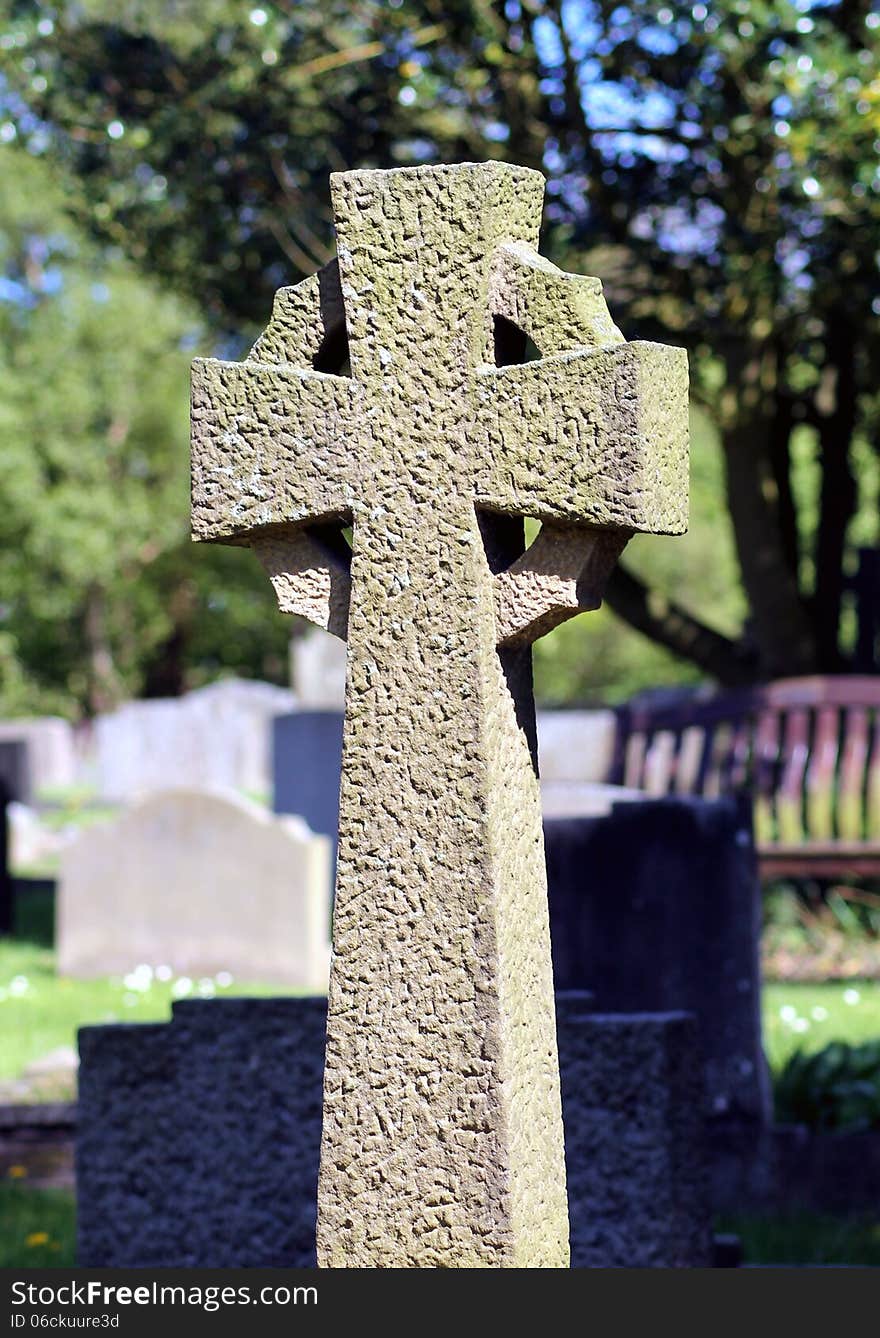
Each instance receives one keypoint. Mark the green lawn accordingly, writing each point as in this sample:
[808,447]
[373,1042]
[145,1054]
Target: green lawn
[805,1016]
[41,1012]
[37,1227]
[807,1238]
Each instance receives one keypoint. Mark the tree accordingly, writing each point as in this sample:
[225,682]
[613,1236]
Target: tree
[715,163]
[97,575]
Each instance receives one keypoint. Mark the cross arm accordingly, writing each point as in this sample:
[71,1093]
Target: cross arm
[271,445]
[592,437]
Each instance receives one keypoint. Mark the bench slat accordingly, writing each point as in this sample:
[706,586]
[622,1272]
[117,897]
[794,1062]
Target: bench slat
[766,761]
[789,799]
[821,774]
[872,807]
[850,804]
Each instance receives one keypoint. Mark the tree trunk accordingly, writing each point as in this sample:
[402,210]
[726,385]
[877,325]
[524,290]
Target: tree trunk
[104,687]
[732,663]
[165,673]
[779,623]
[839,494]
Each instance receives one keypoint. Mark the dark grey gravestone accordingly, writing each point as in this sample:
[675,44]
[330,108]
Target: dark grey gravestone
[15,775]
[656,908]
[632,1102]
[306,766]
[7,885]
[14,785]
[198,1139]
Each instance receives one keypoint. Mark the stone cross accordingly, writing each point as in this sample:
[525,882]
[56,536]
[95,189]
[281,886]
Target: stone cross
[391,394]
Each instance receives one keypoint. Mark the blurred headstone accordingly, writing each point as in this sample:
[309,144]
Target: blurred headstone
[198,1139]
[635,1146]
[656,907]
[15,770]
[318,670]
[52,756]
[14,785]
[218,737]
[306,764]
[201,883]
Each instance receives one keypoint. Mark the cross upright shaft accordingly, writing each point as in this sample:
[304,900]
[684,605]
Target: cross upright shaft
[442,1141]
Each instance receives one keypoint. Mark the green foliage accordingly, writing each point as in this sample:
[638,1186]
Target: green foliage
[101,586]
[837,1088]
[813,933]
[804,1238]
[715,163]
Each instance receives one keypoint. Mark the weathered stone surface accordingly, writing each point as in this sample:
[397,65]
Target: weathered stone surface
[198,1140]
[442,1142]
[201,883]
[635,1151]
[217,737]
[657,907]
[574,747]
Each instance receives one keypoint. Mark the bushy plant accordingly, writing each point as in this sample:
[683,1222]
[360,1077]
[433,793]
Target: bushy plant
[835,1088]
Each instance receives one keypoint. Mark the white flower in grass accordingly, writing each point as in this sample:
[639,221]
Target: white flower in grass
[206,988]
[181,987]
[851,996]
[18,986]
[140,979]
[819,1014]
[164,973]
[800,1024]
[788,1013]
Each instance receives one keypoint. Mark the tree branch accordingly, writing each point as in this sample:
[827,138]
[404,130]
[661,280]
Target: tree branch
[732,663]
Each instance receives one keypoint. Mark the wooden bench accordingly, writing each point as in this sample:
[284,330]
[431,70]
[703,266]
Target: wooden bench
[808,750]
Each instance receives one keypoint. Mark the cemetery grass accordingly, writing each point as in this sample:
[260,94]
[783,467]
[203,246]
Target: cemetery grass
[800,1015]
[806,1239]
[41,1012]
[37,1227]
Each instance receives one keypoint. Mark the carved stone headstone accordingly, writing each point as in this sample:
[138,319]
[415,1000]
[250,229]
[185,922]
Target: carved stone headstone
[442,1135]
[199,882]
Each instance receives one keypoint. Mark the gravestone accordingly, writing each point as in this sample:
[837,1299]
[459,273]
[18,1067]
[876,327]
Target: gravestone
[318,671]
[15,772]
[198,1139]
[14,785]
[51,760]
[442,1133]
[217,737]
[202,883]
[656,907]
[306,766]
[632,1091]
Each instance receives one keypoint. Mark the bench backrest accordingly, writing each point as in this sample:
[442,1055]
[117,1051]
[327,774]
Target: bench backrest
[807,748]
